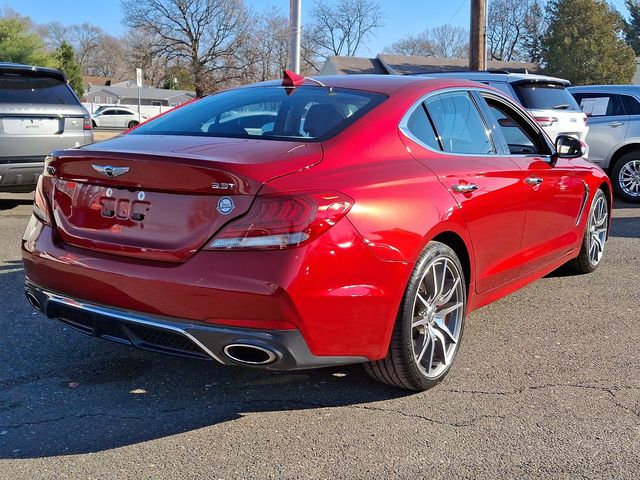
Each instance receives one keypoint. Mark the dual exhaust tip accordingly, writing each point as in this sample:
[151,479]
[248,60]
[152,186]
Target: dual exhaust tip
[248,354]
[33,300]
[243,353]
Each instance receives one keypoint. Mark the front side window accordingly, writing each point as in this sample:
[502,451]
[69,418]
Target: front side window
[459,124]
[521,138]
[275,113]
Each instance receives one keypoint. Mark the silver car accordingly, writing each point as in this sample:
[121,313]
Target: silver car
[614,133]
[39,113]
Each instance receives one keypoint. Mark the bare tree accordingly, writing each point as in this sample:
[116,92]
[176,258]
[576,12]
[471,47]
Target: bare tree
[444,41]
[340,27]
[414,45]
[267,52]
[206,34]
[514,29]
[141,51]
[86,39]
[56,34]
[449,41]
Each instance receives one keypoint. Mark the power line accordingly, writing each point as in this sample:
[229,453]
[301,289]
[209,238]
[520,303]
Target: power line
[455,14]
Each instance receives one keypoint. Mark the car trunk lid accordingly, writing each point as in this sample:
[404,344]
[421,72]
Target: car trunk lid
[162,197]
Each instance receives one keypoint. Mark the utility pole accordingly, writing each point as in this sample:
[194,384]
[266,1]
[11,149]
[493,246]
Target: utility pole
[294,35]
[477,39]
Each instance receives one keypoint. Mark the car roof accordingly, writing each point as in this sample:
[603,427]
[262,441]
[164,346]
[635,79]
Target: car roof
[386,84]
[607,88]
[19,67]
[489,76]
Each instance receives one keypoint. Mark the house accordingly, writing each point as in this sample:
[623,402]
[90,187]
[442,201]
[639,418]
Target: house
[122,94]
[408,65]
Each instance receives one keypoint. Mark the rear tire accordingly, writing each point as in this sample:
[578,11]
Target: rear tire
[625,177]
[133,123]
[595,236]
[429,326]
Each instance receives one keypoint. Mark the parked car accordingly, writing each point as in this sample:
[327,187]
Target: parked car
[546,98]
[614,135]
[39,113]
[363,226]
[116,117]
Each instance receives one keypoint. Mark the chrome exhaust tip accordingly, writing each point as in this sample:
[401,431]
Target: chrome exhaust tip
[33,300]
[248,354]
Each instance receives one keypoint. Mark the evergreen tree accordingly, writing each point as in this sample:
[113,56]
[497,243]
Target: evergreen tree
[584,43]
[632,32]
[66,61]
[20,44]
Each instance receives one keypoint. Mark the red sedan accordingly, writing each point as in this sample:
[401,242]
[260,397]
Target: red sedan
[291,225]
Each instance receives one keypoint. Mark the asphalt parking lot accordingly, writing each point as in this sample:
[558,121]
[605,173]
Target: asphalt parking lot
[547,384]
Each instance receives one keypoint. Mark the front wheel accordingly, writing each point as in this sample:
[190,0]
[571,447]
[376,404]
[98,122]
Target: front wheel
[429,325]
[625,177]
[595,236]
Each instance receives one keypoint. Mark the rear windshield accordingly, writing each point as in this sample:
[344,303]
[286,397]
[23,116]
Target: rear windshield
[34,89]
[277,113]
[536,96]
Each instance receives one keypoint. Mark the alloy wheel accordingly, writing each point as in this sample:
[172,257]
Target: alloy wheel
[438,312]
[629,178]
[598,225]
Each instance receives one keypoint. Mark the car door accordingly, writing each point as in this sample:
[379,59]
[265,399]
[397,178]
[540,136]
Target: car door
[608,122]
[448,135]
[108,118]
[554,194]
[122,118]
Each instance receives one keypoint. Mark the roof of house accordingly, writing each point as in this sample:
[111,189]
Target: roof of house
[411,65]
[148,93]
[94,80]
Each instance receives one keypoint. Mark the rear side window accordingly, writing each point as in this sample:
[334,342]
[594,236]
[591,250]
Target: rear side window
[459,124]
[34,89]
[631,105]
[419,125]
[600,104]
[274,113]
[539,96]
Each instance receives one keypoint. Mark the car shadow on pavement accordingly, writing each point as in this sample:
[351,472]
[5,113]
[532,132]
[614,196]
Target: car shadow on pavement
[64,393]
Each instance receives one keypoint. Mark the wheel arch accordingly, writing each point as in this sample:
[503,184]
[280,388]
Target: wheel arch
[620,152]
[458,245]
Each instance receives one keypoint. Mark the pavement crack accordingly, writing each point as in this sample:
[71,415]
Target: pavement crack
[88,415]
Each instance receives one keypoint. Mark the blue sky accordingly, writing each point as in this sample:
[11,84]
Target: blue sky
[402,16]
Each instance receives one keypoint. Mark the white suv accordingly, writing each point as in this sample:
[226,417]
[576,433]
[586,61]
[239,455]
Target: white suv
[547,98]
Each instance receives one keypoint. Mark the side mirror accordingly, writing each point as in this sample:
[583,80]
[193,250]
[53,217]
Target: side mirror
[568,147]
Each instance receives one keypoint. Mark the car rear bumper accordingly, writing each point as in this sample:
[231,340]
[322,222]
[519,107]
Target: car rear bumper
[20,173]
[273,349]
[335,296]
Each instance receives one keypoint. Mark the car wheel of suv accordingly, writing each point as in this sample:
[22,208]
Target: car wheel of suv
[429,325]
[595,236]
[625,177]
[133,123]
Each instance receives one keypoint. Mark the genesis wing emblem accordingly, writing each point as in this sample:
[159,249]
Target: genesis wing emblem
[110,171]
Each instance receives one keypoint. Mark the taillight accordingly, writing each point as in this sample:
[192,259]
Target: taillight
[86,124]
[40,206]
[283,220]
[546,121]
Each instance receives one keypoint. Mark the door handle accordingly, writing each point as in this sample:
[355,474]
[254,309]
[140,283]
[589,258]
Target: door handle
[616,124]
[464,187]
[534,180]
